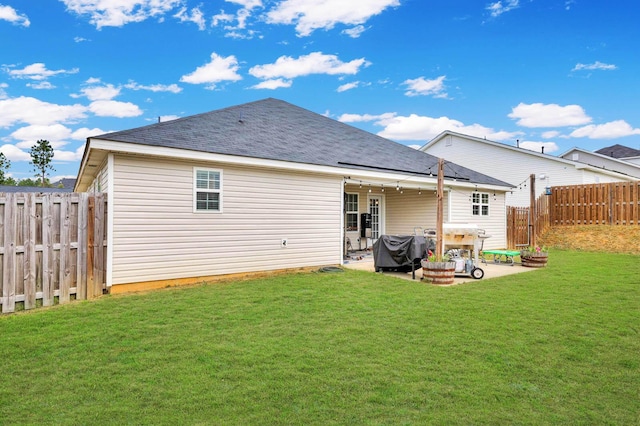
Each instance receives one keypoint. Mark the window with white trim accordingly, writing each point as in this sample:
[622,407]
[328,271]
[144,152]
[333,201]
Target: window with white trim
[207,190]
[351,209]
[480,204]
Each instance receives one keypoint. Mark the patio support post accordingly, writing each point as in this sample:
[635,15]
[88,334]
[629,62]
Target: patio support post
[440,210]
[532,210]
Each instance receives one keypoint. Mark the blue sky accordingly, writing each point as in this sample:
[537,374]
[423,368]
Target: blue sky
[559,73]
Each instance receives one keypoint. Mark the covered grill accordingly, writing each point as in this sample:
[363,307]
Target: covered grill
[399,252]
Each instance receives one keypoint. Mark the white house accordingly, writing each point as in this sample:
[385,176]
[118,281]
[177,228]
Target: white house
[629,166]
[265,186]
[515,165]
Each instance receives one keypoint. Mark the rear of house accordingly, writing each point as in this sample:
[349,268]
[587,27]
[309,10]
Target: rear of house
[265,186]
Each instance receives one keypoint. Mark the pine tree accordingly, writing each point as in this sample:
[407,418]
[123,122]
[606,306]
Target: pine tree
[41,156]
[4,168]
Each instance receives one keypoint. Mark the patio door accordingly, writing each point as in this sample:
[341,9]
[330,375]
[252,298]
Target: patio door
[376,209]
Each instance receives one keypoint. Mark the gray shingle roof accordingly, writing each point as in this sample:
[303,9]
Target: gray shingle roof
[39,189]
[619,151]
[277,130]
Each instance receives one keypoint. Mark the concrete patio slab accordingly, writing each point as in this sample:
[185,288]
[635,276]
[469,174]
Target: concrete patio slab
[364,262]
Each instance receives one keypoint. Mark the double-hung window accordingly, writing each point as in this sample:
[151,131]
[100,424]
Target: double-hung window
[351,208]
[480,204]
[207,190]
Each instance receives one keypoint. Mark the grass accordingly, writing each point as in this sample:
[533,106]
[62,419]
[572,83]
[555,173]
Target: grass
[553,346]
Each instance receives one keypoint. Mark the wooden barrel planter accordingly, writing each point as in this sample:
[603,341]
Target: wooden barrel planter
[533,259]
[439,273]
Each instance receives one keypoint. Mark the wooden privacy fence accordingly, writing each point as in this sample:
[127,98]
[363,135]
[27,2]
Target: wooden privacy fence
[616,203]
[517,227]
[53,248]
[613,203]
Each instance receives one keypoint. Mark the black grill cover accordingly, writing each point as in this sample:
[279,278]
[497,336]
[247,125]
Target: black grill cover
[399,252]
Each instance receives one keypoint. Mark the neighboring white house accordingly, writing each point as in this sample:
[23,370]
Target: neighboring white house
[515,165]
[603,161]
[265,186]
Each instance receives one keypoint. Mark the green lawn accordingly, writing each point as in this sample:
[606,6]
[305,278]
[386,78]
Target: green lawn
[559,345]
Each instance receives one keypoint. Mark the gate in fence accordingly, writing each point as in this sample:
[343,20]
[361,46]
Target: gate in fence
[52,248]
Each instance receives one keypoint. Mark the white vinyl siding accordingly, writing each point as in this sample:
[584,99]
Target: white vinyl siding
[406,211]
[495,224]
[157,236]
[100,183]
[622,166]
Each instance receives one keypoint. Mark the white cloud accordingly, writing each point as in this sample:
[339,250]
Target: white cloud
[217,70]
[34,111]
[99,93]
[221,17]
[3,94]
[83,133]
[498,8]
[357,118]
[611,130]
[550,134]
[41,85]
[108,108]
[348,86]
[422,87]
[313,63]
[241,17]
[247,4]
[273,84]
[354,32]
[80,39]
[116,13]
[7,13]
[537,146]
[173,88]
[549,115]
[195,15]
[37,71]
[310,15]
[597,65]
[164,118]
[415,127]
[14,153]
[68,156]
[54,133]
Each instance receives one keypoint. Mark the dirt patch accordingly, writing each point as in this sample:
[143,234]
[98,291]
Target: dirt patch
[614,239]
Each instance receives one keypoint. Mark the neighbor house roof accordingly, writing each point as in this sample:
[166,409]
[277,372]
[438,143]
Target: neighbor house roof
[619,151]
[67,183]
[39,189]
[276,130]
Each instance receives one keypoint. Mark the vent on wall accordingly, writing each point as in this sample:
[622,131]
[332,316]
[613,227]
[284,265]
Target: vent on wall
[449,141]
[575,156]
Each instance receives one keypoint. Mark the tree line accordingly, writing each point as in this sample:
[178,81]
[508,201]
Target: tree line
[41,157]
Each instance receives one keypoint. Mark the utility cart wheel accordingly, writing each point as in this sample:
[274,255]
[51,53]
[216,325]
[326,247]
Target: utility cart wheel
[477,273]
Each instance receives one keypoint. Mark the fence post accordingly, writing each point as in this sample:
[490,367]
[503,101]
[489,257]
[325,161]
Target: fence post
[532,210]
[8,260]
[81,273]
[63,276]
[47,251]
[29,235]
[91,212]
[99,235]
